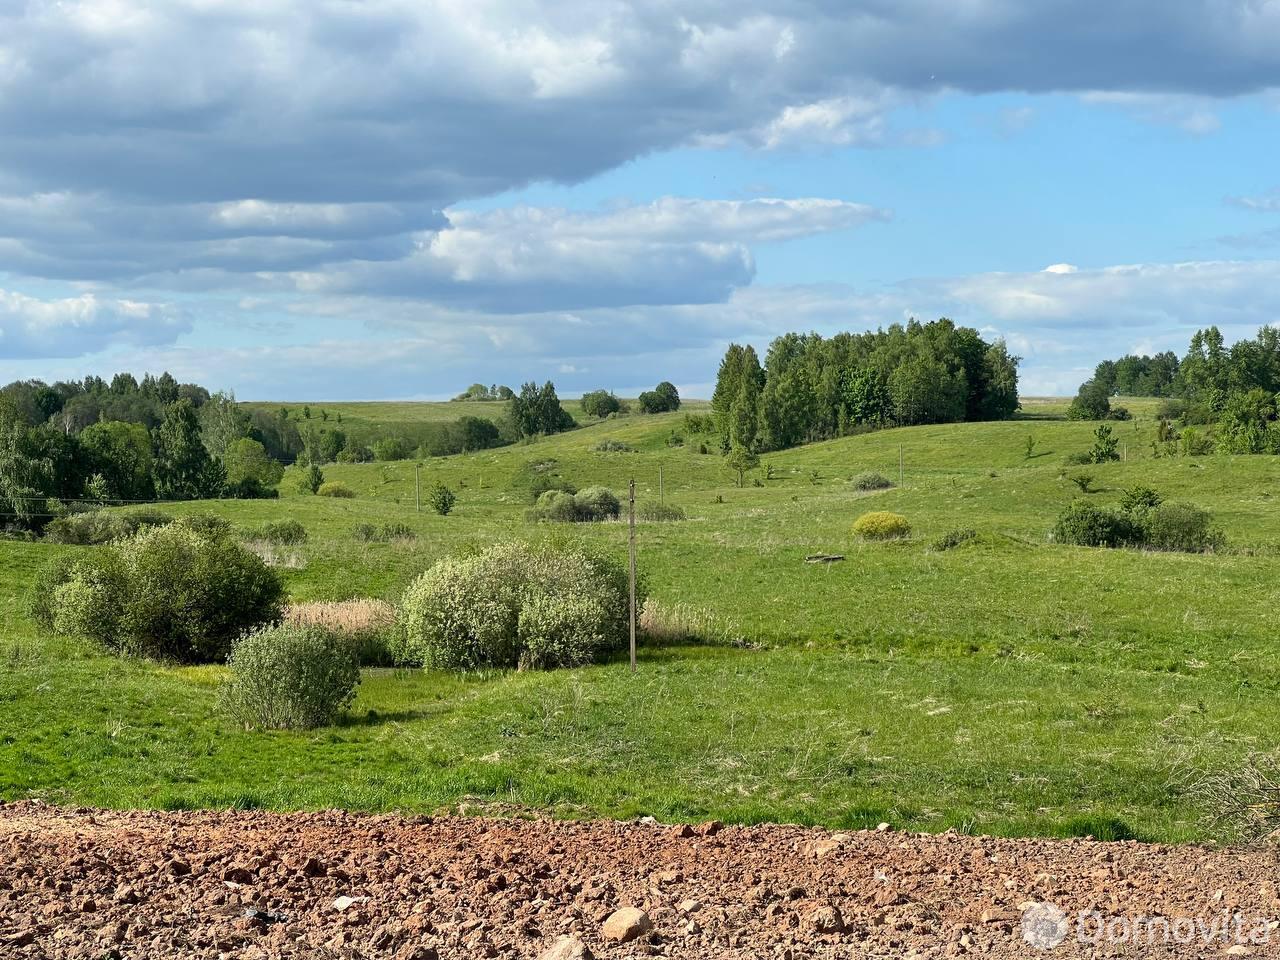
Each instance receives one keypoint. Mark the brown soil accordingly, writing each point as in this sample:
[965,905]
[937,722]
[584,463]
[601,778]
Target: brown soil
[98,884]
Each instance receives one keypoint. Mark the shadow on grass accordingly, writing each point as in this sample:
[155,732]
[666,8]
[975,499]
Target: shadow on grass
[376,718]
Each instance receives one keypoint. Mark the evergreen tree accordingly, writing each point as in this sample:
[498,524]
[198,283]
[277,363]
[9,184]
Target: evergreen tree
[183,468]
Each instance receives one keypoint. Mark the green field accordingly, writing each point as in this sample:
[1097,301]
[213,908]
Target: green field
[1008,685]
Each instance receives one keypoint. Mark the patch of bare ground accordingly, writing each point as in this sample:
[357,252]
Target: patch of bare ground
[81,883]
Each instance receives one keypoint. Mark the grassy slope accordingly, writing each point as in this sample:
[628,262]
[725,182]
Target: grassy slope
[1007,685]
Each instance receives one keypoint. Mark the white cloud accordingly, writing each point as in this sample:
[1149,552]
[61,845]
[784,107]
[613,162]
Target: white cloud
[1193,115]
[34,328]
[1263,203]
[530,259]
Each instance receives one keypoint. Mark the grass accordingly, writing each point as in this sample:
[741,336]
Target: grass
[1006,685]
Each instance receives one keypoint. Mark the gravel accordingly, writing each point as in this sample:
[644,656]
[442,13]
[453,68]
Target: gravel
[81,883]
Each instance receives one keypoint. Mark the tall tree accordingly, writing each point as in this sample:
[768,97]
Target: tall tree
[184,470]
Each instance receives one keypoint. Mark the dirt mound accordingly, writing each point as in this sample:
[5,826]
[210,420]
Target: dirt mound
[94,884]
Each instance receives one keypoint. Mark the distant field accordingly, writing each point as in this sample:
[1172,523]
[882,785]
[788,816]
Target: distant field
[1005,686]
[365,421]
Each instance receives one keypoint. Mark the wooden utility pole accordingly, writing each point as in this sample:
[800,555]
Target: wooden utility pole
[631,522]
[901,460]
[661,494]
[417,486]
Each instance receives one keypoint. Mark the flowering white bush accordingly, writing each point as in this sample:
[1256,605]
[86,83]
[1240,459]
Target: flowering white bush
[516,604]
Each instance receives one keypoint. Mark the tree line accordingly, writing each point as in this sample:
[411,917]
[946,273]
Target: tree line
[1234,390]
[814,388]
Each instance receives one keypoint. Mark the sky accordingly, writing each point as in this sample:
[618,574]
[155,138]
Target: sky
[393,199]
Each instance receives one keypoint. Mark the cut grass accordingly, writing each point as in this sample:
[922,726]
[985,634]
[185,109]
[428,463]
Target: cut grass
[1006,685]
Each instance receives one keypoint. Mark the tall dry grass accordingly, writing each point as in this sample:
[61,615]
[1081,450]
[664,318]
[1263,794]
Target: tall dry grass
[366,624]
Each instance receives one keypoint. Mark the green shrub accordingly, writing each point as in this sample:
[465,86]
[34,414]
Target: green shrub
[1139,499]
[367,532]
[392,448]
[84,529]
[175,592]
[653,512]
[871,481]
[1077,459]
[284,533]
[557,506]
[597,503]
[614,446]
[881,525]
[954,538]
[311,479]
[544,482]
[100,526]
[334,489]
[1082,480]
[516,604]
[40,600]
[1084,525]
[441,499]
[589,505]
[1181,526]
[289,677]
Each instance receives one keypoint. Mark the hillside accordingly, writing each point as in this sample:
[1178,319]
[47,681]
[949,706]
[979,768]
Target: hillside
[1007,685]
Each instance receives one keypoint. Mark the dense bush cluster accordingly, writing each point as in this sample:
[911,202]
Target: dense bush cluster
[94,442]
[1142,520]
[651,511]
[1233,390]
[182,592]
[368,533]
[536,410]
[283,533]
[871,481]
[614,446]
[289,677]
[515,604]
[881,525]
[94,527]
[954,538]
[332,488]
[600,403]
[664,398]
[812,388]
[588,505]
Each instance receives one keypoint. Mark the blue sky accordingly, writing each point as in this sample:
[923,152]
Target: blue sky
[394,199]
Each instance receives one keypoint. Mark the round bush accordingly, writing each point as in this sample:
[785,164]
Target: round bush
[871,481]
[335,489]
[516,604]
[881,525]
[173,592]
[555,505]
[654,512]
[1181,526]
[597,503]
[1085,525]
[289,677]
[289,533]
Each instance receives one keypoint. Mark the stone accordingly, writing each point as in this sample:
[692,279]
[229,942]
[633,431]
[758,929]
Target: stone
[626,925]
[826,919]
[567,948]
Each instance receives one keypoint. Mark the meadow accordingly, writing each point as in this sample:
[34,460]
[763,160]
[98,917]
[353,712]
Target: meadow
[1007,685]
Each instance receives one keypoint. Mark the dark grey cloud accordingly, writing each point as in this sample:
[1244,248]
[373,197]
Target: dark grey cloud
[435,102]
